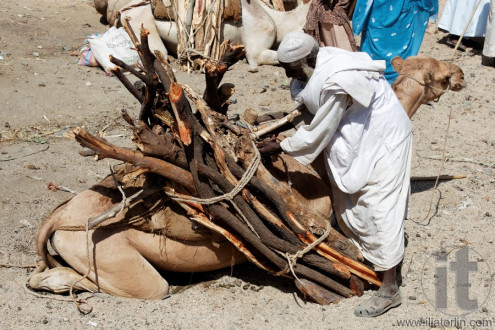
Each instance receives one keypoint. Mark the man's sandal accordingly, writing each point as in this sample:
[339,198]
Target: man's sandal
[378,304]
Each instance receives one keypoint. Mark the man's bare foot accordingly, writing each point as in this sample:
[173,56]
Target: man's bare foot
[432,28]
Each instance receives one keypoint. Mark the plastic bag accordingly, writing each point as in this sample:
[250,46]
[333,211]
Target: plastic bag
[85,56]
[115,42]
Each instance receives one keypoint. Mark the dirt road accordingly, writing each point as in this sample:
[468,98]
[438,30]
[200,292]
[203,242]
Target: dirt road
[44,93]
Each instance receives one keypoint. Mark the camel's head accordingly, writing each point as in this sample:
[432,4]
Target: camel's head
[430,72]
[424,79]
[457,81]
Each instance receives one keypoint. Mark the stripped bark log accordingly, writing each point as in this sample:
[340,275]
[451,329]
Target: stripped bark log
[279,123]
[180,106]
[354,266]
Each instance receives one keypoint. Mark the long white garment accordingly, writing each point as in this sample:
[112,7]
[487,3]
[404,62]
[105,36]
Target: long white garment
[367,146]
[338,73]
[373,218]
[369,161]
[489,45]
[456,14]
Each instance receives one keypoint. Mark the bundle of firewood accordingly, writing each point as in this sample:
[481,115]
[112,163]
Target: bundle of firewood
[212,169]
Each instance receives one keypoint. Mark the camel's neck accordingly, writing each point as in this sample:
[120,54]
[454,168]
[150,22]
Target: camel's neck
[411,94]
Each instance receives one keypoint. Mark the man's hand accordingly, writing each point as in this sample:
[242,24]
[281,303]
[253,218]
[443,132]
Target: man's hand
[269,146]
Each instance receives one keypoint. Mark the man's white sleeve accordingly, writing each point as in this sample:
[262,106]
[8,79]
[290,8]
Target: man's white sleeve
[309,140]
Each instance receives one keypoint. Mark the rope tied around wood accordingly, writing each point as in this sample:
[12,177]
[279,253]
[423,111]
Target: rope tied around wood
[229,196]
[292,258]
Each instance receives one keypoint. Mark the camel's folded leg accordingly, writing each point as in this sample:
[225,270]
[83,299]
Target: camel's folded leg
[59,280]
[264,57]
[120,269]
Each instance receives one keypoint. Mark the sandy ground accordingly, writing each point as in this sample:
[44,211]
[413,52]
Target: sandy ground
[43,94]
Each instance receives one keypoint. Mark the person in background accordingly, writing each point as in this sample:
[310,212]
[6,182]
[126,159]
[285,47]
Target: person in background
[328,23]
[455,17]
[488,55]
[392,28]
[366,137]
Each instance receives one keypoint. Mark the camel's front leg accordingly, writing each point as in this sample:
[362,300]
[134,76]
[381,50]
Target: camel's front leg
[59,280]
[117,267]
[258,35]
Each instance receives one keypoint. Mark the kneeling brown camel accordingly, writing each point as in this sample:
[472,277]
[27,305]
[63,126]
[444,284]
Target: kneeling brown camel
[125,259]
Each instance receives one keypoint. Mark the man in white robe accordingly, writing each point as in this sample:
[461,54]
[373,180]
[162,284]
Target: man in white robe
[455,18]
[488,55]
[365,134]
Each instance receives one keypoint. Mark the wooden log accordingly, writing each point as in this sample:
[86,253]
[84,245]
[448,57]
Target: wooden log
[355,267]
[127,84]
[166,118]
[269,117]
[146,79]
[357,286]
[225,91]
[180,107]
[214,72]
[146,56]
[164,71]
[162,146]
[278,123]
[105,150]
[237,241]
[290,244]
[317,293]
[250,116]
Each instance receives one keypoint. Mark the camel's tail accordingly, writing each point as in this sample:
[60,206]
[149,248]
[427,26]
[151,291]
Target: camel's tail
[47,228]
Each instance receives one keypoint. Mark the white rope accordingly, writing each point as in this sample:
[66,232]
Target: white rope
[292,259]
[251,170]
[246,177]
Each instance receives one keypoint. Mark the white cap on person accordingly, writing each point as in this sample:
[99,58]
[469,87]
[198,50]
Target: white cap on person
[295,46]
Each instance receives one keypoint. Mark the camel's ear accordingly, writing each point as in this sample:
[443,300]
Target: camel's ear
[429,76]
[397,63]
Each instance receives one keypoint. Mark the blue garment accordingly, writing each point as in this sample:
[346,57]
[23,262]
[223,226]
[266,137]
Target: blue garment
[392,28]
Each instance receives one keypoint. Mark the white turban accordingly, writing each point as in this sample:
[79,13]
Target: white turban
[295,46]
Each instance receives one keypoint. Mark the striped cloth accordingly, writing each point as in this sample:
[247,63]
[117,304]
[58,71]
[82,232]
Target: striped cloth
[86,57]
